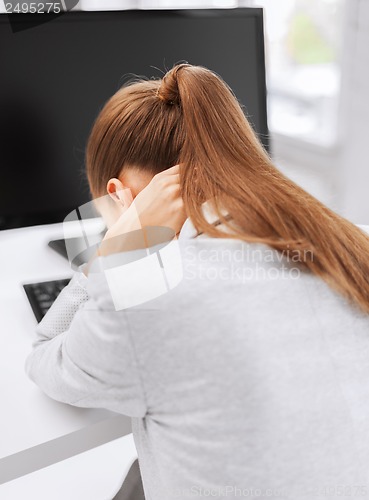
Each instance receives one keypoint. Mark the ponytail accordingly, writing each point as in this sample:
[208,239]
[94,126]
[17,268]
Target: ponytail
[192,117]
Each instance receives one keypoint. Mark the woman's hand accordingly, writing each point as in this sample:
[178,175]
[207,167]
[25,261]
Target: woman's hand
[158,204]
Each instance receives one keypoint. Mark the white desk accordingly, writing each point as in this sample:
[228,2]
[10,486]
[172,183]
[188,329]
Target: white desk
[35,431]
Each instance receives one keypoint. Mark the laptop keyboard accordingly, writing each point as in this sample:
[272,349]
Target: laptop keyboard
[42,295]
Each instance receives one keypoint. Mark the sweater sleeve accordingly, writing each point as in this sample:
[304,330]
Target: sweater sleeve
[83,354]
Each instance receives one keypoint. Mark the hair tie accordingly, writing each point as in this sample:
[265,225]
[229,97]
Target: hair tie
[168,91]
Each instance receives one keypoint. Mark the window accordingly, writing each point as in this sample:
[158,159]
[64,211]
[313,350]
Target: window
[302,48]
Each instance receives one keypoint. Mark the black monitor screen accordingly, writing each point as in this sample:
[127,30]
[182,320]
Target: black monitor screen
[56,76]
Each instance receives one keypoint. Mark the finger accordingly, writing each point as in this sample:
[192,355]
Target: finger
[178,204]
[126,196]
[167,181]
[173,179]
[173,191]
[172,170]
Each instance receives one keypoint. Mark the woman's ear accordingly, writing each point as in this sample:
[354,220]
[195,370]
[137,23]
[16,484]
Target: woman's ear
[119,193]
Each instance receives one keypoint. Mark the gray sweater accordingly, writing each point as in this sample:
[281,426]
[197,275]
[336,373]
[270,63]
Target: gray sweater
[249,378]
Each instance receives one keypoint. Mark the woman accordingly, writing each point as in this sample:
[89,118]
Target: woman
[250,377]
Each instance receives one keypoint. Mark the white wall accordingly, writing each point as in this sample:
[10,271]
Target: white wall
[312,167]
[339,176]
[354,120]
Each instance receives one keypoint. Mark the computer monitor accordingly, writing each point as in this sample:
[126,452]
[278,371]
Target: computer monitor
[56,76]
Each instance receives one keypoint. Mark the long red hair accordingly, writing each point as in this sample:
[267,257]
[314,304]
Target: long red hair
[191,116]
